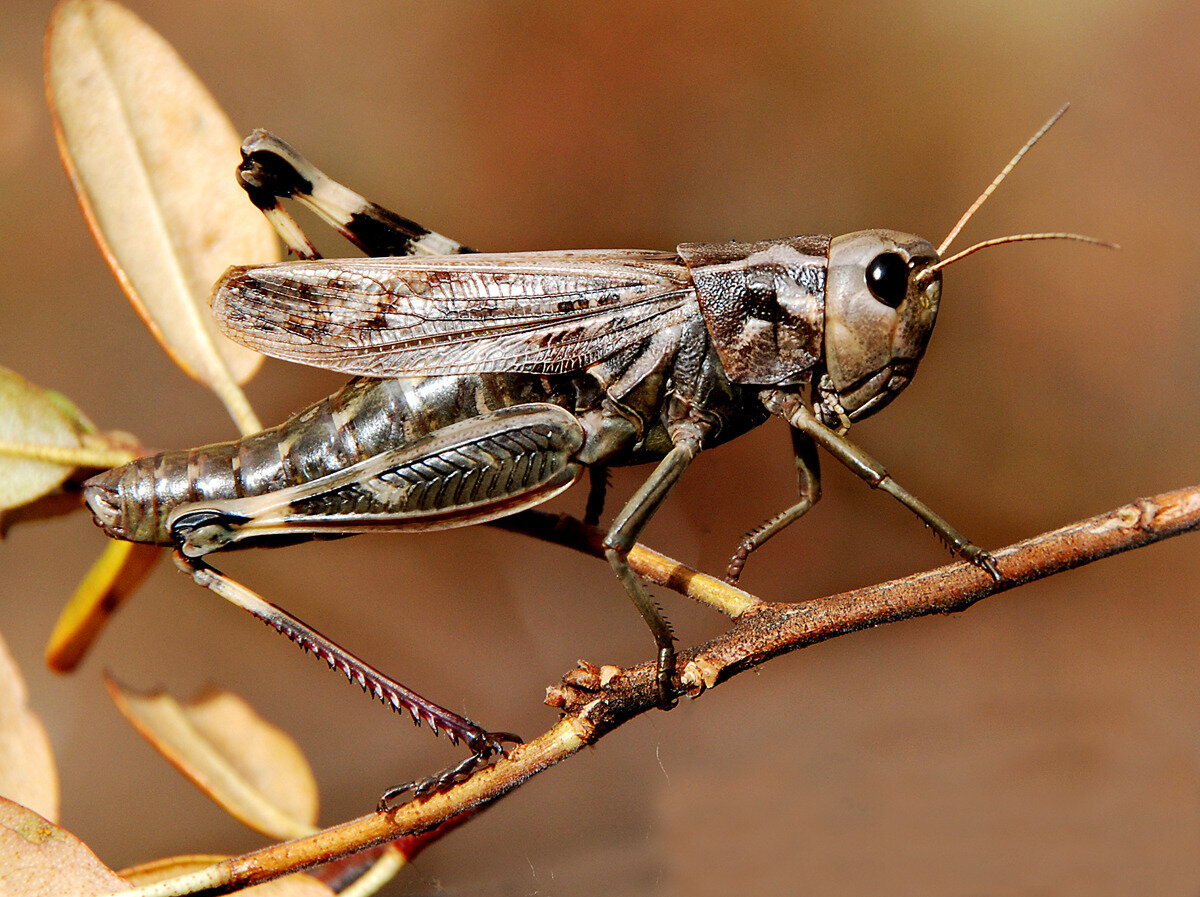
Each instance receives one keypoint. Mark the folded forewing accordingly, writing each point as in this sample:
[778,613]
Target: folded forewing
[548,313]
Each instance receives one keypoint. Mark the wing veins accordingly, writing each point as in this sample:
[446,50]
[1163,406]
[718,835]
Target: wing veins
[346,318]
[434,340]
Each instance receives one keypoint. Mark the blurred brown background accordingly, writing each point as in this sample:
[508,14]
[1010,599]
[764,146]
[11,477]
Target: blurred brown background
[1045,742]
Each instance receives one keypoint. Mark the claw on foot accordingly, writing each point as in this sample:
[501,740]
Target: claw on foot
[485,749]
[987,563]
[742,554]
[666,668]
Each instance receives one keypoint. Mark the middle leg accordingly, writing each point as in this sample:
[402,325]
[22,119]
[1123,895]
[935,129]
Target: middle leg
[624,534]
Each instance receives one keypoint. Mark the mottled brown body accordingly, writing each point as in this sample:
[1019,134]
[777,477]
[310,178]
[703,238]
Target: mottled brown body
[629,422]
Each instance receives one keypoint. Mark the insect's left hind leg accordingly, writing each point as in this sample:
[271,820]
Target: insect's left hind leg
[484,745]
[271,170]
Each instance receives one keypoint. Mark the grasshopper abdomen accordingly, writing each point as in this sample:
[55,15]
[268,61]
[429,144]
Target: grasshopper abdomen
[366,454]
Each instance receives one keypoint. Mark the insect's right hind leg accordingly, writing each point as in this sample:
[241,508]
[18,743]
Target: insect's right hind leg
[484,745]
[808,481]
[271,170]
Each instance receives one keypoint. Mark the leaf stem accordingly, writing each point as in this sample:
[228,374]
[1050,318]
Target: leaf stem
[72,456]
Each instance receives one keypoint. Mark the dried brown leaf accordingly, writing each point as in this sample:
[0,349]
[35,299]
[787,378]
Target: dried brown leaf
[245,764]
[27,772]
[298,885]
[152,158]
[32,416]
[39,859]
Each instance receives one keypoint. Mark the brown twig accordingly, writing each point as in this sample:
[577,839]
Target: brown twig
[596,701]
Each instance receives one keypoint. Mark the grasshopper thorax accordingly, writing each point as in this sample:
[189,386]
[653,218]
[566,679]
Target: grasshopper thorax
[849,316]
[881,301]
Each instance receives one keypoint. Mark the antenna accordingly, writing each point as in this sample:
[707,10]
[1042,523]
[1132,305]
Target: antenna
[1014,238]
[1000,177]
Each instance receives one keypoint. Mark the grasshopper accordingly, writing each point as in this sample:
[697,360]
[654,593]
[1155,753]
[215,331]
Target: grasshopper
[485,384]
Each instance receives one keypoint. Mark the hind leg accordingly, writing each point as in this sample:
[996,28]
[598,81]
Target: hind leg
[484,745]
[271,170]
[477,469]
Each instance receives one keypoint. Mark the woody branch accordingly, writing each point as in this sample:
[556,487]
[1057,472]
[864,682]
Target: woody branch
[595,702]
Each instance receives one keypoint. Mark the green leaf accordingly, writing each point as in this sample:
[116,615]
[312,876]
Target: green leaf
[30,415]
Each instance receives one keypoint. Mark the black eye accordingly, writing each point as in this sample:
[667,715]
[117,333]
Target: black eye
[887,278]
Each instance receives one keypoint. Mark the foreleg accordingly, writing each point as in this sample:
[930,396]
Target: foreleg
[876,476]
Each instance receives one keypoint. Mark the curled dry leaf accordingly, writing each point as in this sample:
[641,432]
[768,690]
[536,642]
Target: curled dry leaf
[27,772]
[152,158]
[113,578]
[298,885]
[245,764]
[39,859]
[30,415]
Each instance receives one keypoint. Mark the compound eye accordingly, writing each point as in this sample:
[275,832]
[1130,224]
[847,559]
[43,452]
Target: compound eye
[887,278]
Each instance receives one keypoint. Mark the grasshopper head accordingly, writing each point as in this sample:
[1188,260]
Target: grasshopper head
[881,300]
